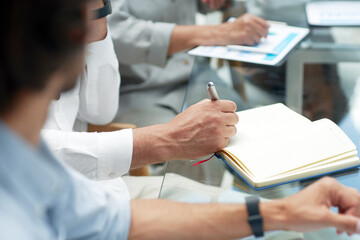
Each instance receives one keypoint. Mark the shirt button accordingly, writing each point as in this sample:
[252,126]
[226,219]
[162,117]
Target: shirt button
[186,62]
[111,175]
[173,0]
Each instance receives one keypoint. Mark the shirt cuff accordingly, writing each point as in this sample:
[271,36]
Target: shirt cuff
[115,153]
[160,42]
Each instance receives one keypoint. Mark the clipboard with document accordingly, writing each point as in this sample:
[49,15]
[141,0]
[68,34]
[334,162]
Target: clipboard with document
[270,51]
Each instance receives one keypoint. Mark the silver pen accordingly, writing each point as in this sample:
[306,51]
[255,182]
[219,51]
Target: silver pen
[212,91]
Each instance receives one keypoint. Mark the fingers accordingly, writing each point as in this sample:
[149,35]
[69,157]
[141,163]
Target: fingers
[249,40]
[229,131]
[222,113]
[262,22]
[226,106]
[345,198]
[254,36]
[345,223]
[230,119]
[261,30]
[258,29]
[254,28]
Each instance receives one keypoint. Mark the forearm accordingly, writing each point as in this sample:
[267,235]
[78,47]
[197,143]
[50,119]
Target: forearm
[162,219]
[247,30]
[187,37]
[151,145]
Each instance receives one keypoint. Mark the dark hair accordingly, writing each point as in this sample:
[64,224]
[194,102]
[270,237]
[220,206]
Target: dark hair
[37,38]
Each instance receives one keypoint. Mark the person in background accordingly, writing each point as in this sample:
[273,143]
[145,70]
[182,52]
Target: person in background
[150,40]
[43,199]
[94,99]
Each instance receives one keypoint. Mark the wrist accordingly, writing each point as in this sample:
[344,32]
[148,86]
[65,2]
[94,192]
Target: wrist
[208,35]
[168,144]
[155,142]
[274,215]
[220,34]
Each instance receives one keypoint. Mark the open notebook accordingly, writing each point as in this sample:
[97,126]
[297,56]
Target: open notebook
[275,145]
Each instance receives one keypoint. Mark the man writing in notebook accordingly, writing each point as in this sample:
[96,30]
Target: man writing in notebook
[94,99]
[43,199]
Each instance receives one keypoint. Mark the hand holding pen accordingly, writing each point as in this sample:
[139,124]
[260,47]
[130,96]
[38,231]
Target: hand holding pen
[203,128]
[215,97]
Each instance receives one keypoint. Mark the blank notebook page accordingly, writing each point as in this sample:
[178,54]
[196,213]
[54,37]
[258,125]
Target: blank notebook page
[260,122]
[291,148]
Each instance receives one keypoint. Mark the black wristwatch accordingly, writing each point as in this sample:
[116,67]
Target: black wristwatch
[254,219]
[104,11]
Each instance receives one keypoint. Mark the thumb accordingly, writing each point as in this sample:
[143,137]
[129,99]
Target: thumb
[346,223]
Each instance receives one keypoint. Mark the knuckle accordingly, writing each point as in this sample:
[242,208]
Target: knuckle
[205,102]
[327,181]
[217,131]
[215,119]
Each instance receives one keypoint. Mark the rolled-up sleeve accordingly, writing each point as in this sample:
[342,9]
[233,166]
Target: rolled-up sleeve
[97,155]
[136,40]
[100,83]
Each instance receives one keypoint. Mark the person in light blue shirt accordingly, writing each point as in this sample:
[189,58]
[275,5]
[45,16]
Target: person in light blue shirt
[42,199]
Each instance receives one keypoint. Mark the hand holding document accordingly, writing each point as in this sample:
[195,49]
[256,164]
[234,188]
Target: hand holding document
[270,51]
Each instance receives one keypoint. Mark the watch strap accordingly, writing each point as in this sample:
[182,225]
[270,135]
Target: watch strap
[104,11]
[254,219]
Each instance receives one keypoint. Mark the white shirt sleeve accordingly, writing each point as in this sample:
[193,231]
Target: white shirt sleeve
[93,100]
[99,156]
[100,83]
